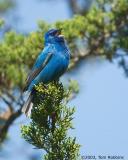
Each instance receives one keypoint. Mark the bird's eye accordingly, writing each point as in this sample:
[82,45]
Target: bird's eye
[52,34]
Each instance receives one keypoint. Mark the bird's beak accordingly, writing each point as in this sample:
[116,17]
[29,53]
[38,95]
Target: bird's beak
[58,33]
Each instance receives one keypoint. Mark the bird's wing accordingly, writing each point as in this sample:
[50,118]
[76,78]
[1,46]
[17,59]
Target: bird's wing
[40,63]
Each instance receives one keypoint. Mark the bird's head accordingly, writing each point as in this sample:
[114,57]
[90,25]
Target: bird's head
[54,36]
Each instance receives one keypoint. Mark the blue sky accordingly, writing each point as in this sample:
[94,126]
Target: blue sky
[31,11]
[101,117]
[101,106]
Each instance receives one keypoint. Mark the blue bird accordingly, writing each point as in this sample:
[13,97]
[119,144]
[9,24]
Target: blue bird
[51,63]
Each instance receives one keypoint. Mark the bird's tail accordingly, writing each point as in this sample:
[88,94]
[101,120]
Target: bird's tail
[28,105]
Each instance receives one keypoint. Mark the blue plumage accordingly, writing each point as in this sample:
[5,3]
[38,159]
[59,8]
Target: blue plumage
[50,64]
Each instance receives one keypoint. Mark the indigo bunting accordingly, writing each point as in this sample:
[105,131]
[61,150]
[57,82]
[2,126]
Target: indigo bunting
[51,63]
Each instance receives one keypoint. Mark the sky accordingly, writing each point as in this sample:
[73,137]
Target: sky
[31,11]
[101,117]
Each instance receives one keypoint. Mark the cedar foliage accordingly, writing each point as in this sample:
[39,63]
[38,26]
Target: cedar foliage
[51,119]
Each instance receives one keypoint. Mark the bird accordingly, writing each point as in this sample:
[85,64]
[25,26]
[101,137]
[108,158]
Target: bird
[49,66]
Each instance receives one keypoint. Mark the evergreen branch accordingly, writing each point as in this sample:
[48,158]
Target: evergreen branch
[51,120]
